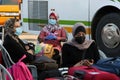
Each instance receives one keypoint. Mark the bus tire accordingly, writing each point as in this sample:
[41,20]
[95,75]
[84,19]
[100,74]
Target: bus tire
[107,34]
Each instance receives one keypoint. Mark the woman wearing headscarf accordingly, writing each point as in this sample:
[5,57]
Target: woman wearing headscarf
[58,33]
[54,34]
[14,45]
[79,50]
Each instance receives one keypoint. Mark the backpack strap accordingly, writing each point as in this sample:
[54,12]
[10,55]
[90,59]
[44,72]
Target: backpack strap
[23,57]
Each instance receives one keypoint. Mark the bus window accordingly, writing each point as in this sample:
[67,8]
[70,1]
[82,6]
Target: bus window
[9,2]
[0,2]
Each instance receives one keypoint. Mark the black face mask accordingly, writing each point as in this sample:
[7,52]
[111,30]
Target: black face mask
[80,39]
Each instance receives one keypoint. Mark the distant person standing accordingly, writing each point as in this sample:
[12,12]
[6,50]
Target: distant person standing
[54,34]
[79,50]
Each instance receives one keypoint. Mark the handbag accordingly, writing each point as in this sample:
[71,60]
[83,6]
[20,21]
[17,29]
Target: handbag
[48,50]
[44,75]
[44,63]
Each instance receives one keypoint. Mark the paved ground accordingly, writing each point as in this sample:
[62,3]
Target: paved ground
[29,37]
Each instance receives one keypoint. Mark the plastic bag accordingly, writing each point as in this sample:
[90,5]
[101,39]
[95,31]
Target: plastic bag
[50,37]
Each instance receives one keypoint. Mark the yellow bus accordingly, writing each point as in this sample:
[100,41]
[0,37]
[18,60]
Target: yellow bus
[9,9]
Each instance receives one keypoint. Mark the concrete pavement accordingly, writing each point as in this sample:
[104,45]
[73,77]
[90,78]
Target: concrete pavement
[29,37]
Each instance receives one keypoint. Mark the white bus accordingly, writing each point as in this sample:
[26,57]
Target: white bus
[101,17]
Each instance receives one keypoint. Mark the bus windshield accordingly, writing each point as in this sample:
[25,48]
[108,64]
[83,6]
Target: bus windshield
[8,2]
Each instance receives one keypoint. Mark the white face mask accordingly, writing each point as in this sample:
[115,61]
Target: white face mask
[52,21]
[18,31]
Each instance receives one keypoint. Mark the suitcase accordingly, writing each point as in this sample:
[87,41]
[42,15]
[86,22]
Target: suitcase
[55,78]
[49,74]
[91,73]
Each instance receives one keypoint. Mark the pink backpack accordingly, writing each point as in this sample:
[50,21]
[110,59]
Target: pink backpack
[20,71]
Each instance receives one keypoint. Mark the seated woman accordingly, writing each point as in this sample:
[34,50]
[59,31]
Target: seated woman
[14,45]
[79,50]
[53,34]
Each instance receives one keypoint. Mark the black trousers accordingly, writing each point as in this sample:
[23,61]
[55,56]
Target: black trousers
[57,57]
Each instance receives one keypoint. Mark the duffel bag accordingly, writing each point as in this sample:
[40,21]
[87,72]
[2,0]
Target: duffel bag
[91,73]
[44,63]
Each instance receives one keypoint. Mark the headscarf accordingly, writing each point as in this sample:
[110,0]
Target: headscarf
[77,28]
[55,15]
[51,28]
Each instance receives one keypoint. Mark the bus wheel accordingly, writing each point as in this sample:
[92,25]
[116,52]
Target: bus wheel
[108,34]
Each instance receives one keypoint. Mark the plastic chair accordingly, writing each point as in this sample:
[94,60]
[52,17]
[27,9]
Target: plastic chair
[9,62]
[4,73]
[2,33]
